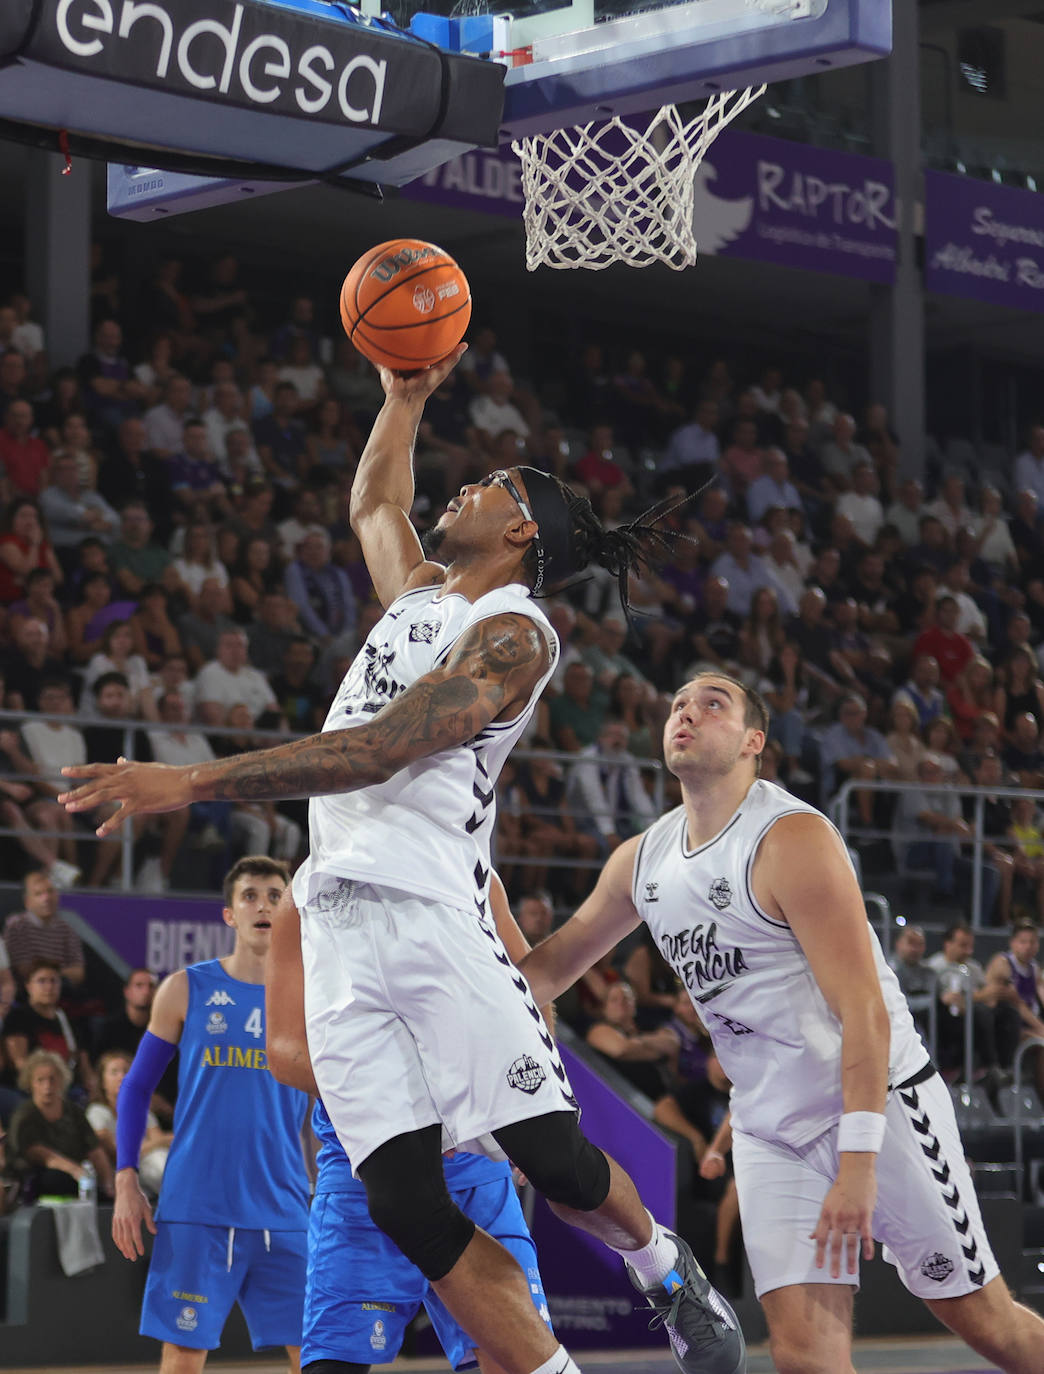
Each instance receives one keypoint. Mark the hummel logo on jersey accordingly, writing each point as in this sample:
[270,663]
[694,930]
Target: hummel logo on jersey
[651,890]
[220,998]
[425,632]
[720,893]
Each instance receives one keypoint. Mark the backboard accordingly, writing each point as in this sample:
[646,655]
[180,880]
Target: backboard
[565,64]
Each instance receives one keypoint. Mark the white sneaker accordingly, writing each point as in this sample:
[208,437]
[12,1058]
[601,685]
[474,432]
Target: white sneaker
[150,877]
[64,874]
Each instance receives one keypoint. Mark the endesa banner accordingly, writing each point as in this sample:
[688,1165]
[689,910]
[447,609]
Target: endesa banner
[984,241]
[755,197]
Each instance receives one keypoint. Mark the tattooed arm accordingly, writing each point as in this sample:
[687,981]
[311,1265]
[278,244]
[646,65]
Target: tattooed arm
[489,675]
[382,491]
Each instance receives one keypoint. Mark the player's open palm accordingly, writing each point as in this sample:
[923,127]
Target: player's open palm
[132,1209]
[846,1221]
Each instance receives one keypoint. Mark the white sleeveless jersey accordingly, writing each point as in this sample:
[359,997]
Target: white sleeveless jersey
[426,830]
[775,1036]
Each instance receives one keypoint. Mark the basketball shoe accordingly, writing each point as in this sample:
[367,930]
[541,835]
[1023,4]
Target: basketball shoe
[703,1330]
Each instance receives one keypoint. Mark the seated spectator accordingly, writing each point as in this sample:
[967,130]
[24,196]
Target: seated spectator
[840,455]
[321,592]
[1016,979]
[282,442]
[715,638]
[916,977]
[201,629]
[950,508]
[996,1023]
[642,1057]
[194,476]
[157,368]
[653,982]
[307,517]
[851,749]
[87,622]
[299,324]
[73,510]
[221,419]
[711,526]
[64,397]
[153,629]
[40,750]
[111,392]
[745,572]
[257,827]
[40,1024]
[40,603]
[26,812]
[743,460]
[230,680]
[110,1071]
[547,825]
[639,411]
[494,411]
[761,635]
[958,584]
[536,915]
[1029,465]
[882,443]
[933,546]
[51,1138]
[329,444]
[921,690]
[934,813]
[861,505]
[772,488]
[136,559]
[199,562]
[576,717]
[276,628]
[904,738]
[600,468]
[605,657]
[996,824]
[993,537]
[24,545]
[630,702]
[1019,689]
[692,451]
[782,562]
[256,574]
[303,371]
[25,460]
[30,664]
[969,695]
[786,690]
[606,791]
[1024,756]
[1027,835]
[118,654]
[942,740]
[165,422]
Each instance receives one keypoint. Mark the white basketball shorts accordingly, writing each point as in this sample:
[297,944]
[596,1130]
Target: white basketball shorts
[416,1015]
[927,1215]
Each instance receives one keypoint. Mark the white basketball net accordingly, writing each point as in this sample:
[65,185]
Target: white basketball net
[610,192]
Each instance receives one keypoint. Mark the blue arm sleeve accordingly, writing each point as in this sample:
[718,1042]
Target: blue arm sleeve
[132,1105]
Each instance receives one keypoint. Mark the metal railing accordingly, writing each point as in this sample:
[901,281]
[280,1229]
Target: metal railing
[649,770]
[839,809]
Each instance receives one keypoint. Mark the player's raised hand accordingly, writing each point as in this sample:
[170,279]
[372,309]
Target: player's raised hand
[135,788]
[130,1210]
[406,386]
[846,1219]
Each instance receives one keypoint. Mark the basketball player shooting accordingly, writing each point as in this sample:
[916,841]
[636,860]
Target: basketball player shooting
[842,1129]
[421,1037]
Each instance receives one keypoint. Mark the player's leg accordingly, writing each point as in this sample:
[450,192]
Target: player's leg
[995,1326]
[476,1278]
[272,1267]
[180,1359]
[810,1328]
[293,1354]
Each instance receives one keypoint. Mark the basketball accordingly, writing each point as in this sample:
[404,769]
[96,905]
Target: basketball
[405,304]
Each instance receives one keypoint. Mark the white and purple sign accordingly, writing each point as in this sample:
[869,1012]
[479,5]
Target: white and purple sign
[984,241]
[755,197]
[157,933]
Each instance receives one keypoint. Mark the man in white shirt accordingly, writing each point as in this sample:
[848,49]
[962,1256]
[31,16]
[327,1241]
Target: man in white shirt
[950,507]
[955,583]
[781,561]
[306,519]
[905,513]
[229,680]
[745,572]
[225,415]
[1029,465]
[840,454]
[494,412]
[861,504]
[772,488]
[165,423]
[605,787]
[73,511]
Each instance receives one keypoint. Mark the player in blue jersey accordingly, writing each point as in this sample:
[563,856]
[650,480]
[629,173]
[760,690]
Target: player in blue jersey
[362,1292]
[232,1217]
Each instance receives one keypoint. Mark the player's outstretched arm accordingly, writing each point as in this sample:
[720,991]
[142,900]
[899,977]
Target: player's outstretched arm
[598,926]
[382,491]
[802,875]
[490,672]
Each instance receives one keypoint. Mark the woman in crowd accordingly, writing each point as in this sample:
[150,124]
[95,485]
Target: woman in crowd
[101,1114]
[1019,689]
[50,1139]
[328,444]
[198,562]
[153,629]
[761,634]
[786,691]
[644,1058]
[941,738]
[904,739]
[969,695]
[257,572]
[629,702]
[24,545]
[119,653]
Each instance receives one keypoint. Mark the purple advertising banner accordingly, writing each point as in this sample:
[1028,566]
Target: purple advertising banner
[157,933]
[755,197]
[984,241]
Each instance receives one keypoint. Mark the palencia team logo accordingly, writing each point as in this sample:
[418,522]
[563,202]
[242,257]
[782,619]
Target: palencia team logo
[525,1074]
[937,1267]
[720,893]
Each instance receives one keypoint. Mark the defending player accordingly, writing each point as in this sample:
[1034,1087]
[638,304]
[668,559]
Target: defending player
[362,1292]
[232,1216]
[842,1129]
[422,1034]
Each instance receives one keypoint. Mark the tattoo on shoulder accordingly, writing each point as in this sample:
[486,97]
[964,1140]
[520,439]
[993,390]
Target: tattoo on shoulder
[501,645]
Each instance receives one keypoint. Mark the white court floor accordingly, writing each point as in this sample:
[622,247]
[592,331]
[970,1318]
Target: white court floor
[924,1355]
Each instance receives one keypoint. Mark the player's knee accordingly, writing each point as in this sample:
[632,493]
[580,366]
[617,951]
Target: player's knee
[558,1159]
[792,1356]
[409,1202]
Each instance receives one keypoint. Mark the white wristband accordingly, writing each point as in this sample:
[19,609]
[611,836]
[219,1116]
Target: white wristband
[861,1133]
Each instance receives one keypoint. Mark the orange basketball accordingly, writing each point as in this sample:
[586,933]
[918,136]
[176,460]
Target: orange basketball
[405,304]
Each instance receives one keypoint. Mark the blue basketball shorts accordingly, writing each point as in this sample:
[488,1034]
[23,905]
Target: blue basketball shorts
[197,1272]
[362,1292]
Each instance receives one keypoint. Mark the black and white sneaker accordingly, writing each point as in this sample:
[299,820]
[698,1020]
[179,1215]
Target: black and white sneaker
[703,1330]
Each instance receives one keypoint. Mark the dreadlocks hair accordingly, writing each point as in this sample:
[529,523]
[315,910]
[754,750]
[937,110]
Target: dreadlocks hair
[641,543]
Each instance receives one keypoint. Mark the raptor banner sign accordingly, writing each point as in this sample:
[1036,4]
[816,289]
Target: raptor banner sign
[154,70]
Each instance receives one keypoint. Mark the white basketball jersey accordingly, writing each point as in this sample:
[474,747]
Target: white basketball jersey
[426,830]
[775,1036]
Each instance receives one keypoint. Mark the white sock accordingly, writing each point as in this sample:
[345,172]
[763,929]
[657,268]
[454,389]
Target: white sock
[559,1363]
[653,1262]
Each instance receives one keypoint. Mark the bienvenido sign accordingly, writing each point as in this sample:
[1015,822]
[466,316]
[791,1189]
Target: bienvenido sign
[983,241]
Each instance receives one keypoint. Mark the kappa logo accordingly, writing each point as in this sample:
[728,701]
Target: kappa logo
[187,1319]
[525,1074]
[216,1024]
[424,632]
[937,1267]
[423,300]
[651,890]
[378,1339]
[220,998]
[720,893]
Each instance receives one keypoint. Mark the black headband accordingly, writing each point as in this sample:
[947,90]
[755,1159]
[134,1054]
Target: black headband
[555,533]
